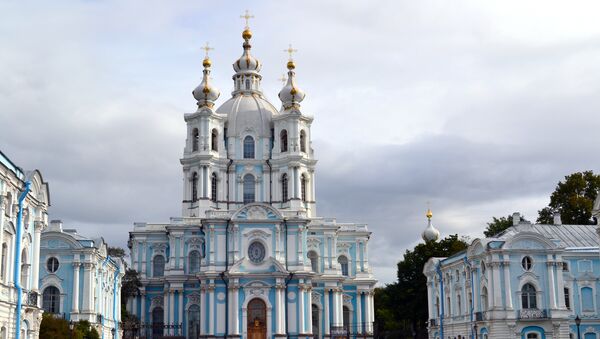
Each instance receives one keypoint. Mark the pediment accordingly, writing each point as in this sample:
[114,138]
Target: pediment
[244,266]
[257,211]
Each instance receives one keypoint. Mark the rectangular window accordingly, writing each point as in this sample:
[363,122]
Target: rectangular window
[567,299]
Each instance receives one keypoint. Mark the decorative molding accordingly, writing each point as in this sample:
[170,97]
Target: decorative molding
[257,234]
[156,302]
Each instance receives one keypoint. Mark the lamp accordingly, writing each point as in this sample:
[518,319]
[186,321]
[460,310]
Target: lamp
[113,331]
[578,322]
[475,330]
[71,326]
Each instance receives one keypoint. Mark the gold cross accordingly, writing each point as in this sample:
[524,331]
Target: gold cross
[206,49]
[283,78]
[247,17]
[290,51]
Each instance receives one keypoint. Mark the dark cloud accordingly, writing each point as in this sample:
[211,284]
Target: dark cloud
[478,108]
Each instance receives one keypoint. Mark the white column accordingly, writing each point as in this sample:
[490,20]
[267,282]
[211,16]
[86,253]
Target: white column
[236,311]
[143,308]
[166,306]
[551,289]
[507,289]
[561,284]
[371,311]
[429,298]
[87,288]
[36,255]
[75,303]
[359,318]
[336,309]
[326,316]
[278,308]
[211,314]
[203,308]
[180,311]
[301,326]
[310,320]
[134,306]
[172,306]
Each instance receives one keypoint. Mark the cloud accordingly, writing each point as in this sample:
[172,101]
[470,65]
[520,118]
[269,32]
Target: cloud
[477,107]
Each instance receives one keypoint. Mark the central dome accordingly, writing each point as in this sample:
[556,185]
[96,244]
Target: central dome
[248,112]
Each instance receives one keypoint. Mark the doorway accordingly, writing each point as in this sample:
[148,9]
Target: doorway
[257,319]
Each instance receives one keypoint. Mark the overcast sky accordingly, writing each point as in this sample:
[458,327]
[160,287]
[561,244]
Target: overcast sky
[479,107]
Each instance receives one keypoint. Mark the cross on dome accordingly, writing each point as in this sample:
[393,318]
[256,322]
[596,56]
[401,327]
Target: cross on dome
[290,51]
[247,17]
[206,49]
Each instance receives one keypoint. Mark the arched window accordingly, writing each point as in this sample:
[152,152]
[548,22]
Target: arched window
[214,140]
[4,260]
[247,83]
[303,187]
[213,187]
[448,307]
[302,141]
[194,186]
[9,204]
[533,336]
[248,147]
[528,297]
[158,316]
[158,266]
[3,333]
[314,261]
[194,321]
[283,140]
[344,264]
[567,298]
[482,267]
[458,304]
[249,195]
[195,139]
[284,187]
[194,261]
[315,321]
[51,300]
[437,305]
[484,299]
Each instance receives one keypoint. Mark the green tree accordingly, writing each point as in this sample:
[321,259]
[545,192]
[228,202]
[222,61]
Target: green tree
[116,252]
[404,304]
[573,199]
[498,225]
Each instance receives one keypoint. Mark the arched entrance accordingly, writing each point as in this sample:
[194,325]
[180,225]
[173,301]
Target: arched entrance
[257,319]
[157,322]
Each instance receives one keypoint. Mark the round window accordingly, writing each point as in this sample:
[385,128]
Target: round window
[52,264]
[256,252]
[526,263]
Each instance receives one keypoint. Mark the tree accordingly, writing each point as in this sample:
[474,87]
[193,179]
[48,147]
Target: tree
[573,199]
[498,225]
[405,302]
[116,252]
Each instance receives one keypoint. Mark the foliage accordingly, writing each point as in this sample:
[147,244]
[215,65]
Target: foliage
[498,225]
[404,304]
[58,328]
[573,199]
[130,285]
[116,252]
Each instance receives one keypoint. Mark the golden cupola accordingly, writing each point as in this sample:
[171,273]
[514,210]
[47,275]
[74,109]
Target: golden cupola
[206,94]
[291,95]
[430,233]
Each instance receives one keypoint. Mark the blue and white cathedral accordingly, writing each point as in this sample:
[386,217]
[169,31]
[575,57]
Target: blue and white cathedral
[249,258]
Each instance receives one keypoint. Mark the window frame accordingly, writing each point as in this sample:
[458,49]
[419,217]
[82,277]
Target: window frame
[249,188]
[48,268]
[164,262]
[249,147]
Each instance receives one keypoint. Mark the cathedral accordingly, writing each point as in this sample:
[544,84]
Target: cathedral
[249,257]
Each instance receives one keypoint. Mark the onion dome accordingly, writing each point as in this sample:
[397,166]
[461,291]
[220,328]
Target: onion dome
[247,63]
[291,95]
[205,93]
[430,233]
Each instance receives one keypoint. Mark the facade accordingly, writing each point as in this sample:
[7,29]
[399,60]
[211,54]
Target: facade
[249,257]
[24,201]
[78,280]
[530,281]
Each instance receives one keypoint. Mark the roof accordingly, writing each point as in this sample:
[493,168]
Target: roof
[572,236]
[4,160]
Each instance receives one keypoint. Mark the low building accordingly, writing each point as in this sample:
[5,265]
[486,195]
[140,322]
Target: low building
[79,280]
[530,281]
[24,201]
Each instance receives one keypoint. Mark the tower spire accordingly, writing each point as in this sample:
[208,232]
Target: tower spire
[291,95]
[205,93]
[247,67]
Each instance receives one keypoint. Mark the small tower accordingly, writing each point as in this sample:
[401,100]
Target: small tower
[430,233]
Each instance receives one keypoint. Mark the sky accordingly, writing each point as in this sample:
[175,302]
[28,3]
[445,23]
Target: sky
[477,107]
